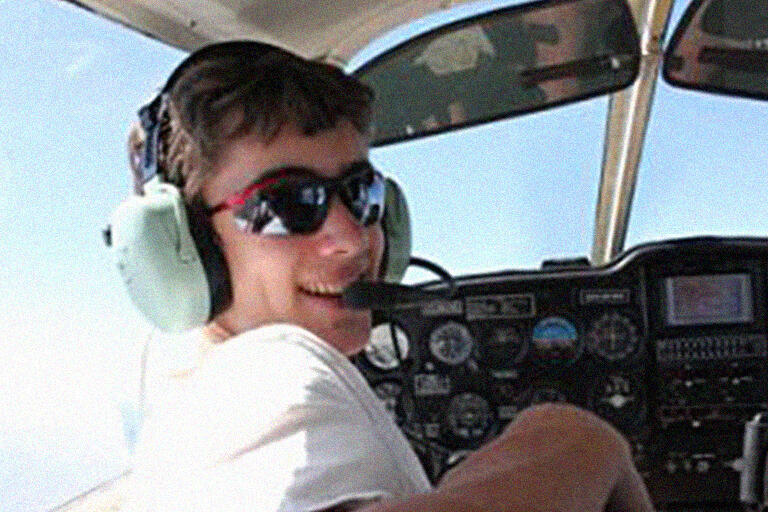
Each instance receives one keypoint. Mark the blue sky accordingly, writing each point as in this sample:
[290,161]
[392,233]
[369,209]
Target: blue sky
[505,196]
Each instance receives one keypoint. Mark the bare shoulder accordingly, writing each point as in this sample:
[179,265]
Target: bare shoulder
[572,423]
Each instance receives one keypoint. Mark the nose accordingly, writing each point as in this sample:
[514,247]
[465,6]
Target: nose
[341,234]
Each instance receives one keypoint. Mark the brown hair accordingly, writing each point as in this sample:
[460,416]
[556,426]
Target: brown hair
[225,96]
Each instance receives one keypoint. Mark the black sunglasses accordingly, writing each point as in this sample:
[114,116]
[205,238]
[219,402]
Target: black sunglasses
[292,200]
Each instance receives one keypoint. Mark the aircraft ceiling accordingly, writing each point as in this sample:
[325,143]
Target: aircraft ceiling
[335,29]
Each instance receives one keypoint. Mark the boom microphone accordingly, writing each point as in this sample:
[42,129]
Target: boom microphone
[368,295]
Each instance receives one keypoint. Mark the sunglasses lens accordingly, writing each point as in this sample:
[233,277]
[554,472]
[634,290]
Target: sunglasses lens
[363,194]
[291,207]
[300,205]
[257,216]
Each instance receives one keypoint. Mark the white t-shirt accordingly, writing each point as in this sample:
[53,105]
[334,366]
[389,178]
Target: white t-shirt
[273,419]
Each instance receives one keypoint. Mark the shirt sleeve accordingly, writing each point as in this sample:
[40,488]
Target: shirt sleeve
[274,430]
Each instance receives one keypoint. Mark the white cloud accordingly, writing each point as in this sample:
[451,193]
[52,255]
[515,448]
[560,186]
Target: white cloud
[80,55]
[80,63]
[57,417]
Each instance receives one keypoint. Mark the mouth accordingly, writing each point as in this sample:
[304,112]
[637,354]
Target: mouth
[324,290]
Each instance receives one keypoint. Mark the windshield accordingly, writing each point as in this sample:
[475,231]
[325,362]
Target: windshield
[488,198]
[703,168]
[489,205]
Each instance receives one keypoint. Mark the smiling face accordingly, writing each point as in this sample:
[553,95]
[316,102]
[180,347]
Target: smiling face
[296,278]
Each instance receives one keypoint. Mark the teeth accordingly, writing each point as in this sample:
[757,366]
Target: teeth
[324,289]
[321,288]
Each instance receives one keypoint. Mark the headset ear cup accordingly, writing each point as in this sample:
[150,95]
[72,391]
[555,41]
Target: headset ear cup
[396,224]
[158,260]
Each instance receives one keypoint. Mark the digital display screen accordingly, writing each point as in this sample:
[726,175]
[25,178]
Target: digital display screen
[708,299]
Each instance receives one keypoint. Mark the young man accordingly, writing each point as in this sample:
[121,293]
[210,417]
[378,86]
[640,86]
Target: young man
[273,416]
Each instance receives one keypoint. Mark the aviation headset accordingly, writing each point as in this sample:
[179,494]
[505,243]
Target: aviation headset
[164,246]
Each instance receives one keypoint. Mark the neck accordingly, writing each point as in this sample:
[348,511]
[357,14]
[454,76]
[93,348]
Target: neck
[217,332]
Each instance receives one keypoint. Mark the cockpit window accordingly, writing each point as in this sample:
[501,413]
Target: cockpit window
[502,64]
[721,46]
[71,84]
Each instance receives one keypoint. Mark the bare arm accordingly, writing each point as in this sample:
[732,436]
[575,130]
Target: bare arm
[552,458]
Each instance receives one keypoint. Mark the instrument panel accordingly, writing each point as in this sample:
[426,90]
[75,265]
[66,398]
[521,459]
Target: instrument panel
[668,343]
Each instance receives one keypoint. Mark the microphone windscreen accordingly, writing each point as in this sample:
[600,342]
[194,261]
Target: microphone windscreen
[359,295]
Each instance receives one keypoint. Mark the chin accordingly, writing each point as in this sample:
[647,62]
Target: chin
[349,337]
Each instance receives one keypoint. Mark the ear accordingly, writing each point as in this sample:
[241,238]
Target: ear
[396,224]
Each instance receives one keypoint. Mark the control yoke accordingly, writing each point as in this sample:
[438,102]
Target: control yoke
[752,488]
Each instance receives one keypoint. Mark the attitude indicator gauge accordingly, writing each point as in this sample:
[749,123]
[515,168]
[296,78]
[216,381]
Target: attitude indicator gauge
[451,343]
[613,337]
[555,340]
[381,351]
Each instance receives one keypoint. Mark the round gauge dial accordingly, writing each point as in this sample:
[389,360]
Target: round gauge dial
[613,337]
[389,393]
[505,347]
[381,351]
[469,416]
[619,399]
[555,340]
[451,343]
